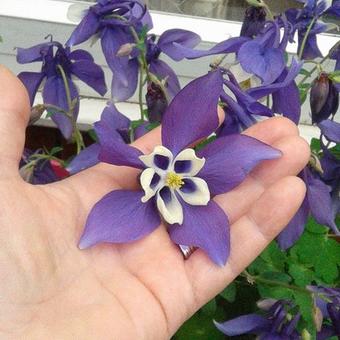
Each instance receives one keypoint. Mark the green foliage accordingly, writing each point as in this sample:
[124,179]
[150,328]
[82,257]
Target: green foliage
[303,89]
[229,293]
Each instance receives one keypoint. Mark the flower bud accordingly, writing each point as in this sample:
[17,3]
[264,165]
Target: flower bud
[125,50]
[156,102]
[253,22]
[324,98]
[36,113]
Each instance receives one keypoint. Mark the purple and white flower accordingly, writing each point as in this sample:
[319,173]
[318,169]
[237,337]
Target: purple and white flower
[177,182]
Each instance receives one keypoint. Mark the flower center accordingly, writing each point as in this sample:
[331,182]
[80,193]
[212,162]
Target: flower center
[174,181]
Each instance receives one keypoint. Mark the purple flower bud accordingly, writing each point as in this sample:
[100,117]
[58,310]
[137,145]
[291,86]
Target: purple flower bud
[253,22]
[36,113]
[324,98]
[156,102]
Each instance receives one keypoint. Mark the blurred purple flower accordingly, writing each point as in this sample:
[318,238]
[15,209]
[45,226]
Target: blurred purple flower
[156,102]
[36,171]
[324,98]
[264,55]
[253,22]
[328,302]
[245,109]
[111,20]
[301,19]
[318,203]
[274,324]
[177,183]
[59,65]
[117,124]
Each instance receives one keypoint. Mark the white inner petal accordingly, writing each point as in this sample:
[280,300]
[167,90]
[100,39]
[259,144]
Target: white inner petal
[196,163]
[171,211]
[201,195]
[145,181]
[148,160]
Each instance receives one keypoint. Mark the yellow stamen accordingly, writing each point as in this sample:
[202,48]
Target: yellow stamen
[174,181]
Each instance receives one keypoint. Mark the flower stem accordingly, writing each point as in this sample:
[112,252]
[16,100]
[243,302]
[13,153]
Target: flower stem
[140,94]
[304,41]
[258,279]
[268,10]
[77,136]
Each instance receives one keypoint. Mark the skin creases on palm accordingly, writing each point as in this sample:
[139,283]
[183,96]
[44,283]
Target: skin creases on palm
[145,290]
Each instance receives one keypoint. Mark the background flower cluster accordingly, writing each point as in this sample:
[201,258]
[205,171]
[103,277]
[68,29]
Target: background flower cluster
[289,292]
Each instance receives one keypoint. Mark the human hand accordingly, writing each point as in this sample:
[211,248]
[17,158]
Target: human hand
[143,290]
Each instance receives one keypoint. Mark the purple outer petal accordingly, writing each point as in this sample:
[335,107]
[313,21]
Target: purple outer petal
[120,217]
[91,74]
[32,81]
[311,50]
[266,63]
[192,114]
[85,159]
[80,55]
[331,130]
[250,323]
[162,71]
[205,227]
[295,228]
[287,100]
[265,90]
[172,41]
[231,45]
[85,29]
[32,54]
[113,149]
[320,201]
[229,159]
[124,90]
[54,93]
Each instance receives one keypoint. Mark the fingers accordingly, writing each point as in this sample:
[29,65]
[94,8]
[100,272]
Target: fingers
[250,234]
[14,115]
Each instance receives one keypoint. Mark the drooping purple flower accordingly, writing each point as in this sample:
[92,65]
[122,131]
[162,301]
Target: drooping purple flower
[118,126]
[264,55]
[59,66]
[37,171]
[111,20]
[274,324]
[176,182]
[301,19]
[253,22]
[328,302]
[318,203]
[324,98]
[245,109]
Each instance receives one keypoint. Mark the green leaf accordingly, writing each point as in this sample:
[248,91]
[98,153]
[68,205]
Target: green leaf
[306,307]
[276,276]
[275,256]
[136,123]
[335,76]
[209,308]
[326,266]
[274,292]
[315,145]
[55,150]
[93,135]
[304,72]
[152,126]
[301,275]
[315,228]
[229,293]
[255,3]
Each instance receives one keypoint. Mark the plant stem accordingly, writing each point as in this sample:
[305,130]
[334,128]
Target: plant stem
[304,41]
[78,138]
[250,278]
[267,9]
[140,94]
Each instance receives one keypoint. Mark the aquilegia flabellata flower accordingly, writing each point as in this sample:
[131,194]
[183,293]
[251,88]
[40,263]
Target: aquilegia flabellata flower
[177,182]
[59,65]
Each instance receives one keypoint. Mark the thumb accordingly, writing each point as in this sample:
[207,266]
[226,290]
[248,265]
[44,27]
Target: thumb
[14,115]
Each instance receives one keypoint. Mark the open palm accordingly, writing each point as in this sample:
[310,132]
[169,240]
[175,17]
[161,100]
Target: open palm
[49,289]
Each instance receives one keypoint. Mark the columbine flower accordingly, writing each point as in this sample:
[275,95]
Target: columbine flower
[177,182]
[324,98]
[117,124]
[156,102]
[253,22]
[264,55]
[274,324]
[318,203]
[301,19]
[327,301]
[59,64]
[111,21]
[245,109]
